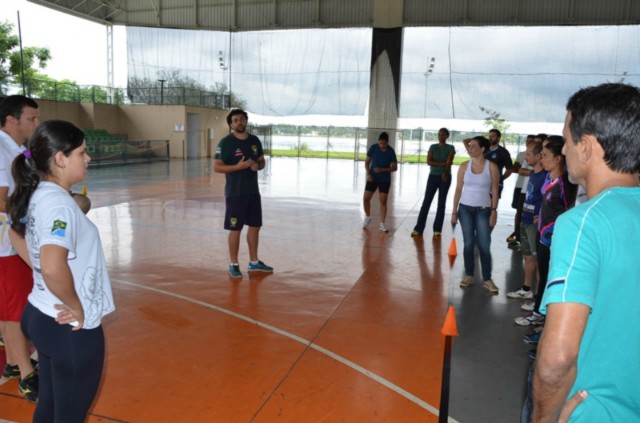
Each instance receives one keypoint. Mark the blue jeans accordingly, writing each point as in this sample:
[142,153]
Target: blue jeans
[434,183]
[476,231]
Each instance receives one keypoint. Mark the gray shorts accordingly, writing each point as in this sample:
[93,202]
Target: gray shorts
[529,236]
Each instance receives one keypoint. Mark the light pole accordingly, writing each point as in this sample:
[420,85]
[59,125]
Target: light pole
[162,81]
[224,68]
[431,64]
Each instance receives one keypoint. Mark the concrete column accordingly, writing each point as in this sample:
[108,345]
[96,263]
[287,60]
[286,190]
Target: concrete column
[384,87]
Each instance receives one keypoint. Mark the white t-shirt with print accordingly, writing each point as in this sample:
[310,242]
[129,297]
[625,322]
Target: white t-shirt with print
[54,218]
[8,151]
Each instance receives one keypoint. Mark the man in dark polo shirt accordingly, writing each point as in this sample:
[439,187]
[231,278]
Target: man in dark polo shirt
[239,156]
[500,156]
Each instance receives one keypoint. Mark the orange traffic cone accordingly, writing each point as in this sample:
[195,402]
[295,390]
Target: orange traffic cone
[453,250]
[450,328]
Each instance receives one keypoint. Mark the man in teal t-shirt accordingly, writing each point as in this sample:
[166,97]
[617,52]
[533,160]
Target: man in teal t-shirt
[588,366]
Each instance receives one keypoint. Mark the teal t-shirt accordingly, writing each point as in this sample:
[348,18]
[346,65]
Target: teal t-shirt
[231,150]
[440,154]
[595,262]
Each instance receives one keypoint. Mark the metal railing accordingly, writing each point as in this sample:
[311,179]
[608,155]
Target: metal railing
[63,91]
[105,153]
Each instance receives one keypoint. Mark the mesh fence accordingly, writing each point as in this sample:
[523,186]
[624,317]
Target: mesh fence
[525,73]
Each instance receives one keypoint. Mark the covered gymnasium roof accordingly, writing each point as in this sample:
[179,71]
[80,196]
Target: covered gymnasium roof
[254,15]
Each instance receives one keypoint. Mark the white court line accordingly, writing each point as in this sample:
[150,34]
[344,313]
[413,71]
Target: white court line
[348,363]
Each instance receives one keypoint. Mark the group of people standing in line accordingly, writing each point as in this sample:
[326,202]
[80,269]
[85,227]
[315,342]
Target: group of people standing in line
[54,284]
[577,203]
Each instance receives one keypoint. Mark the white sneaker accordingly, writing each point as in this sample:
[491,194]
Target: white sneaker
[365,222]
[528,306]
[383,227]
[520,294]
[533,319]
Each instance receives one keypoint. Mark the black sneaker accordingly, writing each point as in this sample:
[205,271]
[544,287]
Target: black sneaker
[10,372]
[234,271]
[29,387]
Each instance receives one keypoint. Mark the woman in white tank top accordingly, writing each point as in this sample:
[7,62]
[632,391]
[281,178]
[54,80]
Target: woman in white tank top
[475,203]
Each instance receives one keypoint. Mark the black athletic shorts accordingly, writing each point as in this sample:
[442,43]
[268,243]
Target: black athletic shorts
[516,198]
[382,186]
[243,210]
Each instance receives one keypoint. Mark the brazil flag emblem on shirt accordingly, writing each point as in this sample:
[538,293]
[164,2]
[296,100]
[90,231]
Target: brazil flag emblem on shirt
[59,228]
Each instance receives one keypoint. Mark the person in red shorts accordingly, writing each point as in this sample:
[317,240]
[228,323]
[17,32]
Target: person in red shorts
[19,118]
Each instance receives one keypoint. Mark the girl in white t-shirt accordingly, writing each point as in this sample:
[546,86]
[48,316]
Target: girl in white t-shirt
[71,291]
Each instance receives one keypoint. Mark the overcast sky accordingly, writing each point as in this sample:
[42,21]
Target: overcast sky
[526,74]
[78,46]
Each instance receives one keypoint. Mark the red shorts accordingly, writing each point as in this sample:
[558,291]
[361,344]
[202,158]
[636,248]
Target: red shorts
[16,282]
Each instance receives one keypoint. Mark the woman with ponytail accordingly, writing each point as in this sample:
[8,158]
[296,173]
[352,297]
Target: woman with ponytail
[558,196]
[71,291]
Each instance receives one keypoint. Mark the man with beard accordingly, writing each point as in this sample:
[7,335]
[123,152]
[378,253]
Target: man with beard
[500,156]
[239,156]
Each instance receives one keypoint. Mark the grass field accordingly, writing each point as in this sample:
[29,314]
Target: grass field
[348,156]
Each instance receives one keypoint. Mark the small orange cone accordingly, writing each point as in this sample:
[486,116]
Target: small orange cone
[453,250]
[450,328]
[84,190]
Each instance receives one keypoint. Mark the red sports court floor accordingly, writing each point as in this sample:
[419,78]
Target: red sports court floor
[347,328]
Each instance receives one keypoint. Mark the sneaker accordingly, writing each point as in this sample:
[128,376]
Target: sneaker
[532,354]
[466,281]
[532,319]
[490,286]
[234,271]
[532,338]
[437,234]
[260,267]
[10,371]
[365,222]
[13,371]
[415,234]
[528,306]
[383,227]
[29,387]
[520,294]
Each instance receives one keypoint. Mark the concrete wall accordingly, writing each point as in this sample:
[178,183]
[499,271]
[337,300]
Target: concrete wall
[144,122]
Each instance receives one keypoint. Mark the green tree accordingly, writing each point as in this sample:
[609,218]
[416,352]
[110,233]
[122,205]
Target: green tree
[43,86]
[179,89]
[11,61]
[494,120]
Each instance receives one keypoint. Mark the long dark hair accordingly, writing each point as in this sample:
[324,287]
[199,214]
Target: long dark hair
[30,167]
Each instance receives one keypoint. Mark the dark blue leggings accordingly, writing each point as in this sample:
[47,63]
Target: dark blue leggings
[70,367]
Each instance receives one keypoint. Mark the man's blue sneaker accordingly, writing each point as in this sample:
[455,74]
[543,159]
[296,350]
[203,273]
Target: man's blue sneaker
[234,271]
[532,338]
[260,267]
